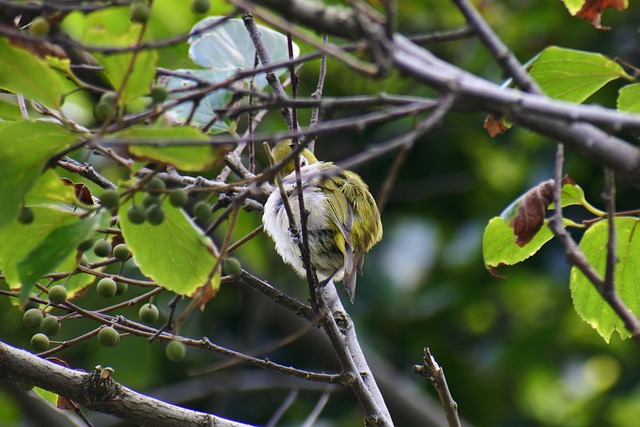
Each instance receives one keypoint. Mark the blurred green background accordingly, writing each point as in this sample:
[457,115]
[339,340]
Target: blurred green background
[514,351]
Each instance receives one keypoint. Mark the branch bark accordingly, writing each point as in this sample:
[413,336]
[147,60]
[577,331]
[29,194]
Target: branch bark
[113,398]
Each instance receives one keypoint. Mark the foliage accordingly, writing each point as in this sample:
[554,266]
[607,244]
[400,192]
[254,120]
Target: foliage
[163,119]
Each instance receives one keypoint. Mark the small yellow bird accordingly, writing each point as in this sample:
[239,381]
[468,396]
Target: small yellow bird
[343,222]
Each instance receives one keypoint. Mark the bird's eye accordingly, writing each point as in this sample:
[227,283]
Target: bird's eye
[303,161]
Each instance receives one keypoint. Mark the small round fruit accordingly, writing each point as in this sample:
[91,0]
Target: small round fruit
[155,215]
[150,200]
[108,98]
[202,211]
[121,252]
[136,214]
[57,294]
[200,6]
[101,111]
[175,351]
[108,337]
[84,260]
[106,287]
[121,288]
[109,199]
[232,267]
[39,26]
[102,248]
[178,197]
[140,12]
[85,246]
[149,313]
[158,94]
[26,215]
[32,319]
[50,326]
[156,186]
[40,342]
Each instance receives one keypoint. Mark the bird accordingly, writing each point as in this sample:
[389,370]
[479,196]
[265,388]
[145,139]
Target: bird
[343,221]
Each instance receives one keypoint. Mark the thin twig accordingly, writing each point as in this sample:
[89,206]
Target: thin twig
[432,371]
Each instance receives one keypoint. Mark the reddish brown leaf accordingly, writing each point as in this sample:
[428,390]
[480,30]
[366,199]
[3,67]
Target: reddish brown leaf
[592,10]
[82,191]
[531,212]
[494,126]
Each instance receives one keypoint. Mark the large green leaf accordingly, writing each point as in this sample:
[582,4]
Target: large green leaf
[629,98]
[573,75]
[587,301]
[176,253]
[25,73]
[25,149]
[499,244]
[49,253]
[192,158]
[116,66]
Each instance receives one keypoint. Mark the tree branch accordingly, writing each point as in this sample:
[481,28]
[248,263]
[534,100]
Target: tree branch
[109,398]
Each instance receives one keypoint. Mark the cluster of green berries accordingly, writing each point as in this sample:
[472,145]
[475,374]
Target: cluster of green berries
[48,325]
[151,208]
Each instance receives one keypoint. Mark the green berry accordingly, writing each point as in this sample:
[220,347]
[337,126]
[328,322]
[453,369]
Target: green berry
[140,12]
[121,288]
[156,186]
[39,26]
[155,215]
[178,197]
[150,200]
[102,248]
[200,6]
[158,94]
[109,199]
[32,319]
[84,260]
[108,337]
[232,267]
[121,252]
[101,111]
[40,342]
[108,98]
[50,326]
[57,294]
[85,246]
[202,211]
[136,214]
[148,313]
[175,351]
[26,215]
[106,287]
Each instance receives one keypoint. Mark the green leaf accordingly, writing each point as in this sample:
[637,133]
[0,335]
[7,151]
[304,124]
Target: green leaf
[50,191]
[192,158]
[499,245]
[573,75]
[116,66]
[58,245]
[26,74]
[176,253]
[47,395]
[25,148]
[588,303]
[228,47]
[629,98]
[574,6]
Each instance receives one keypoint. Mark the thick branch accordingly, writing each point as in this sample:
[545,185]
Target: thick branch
[20,365]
